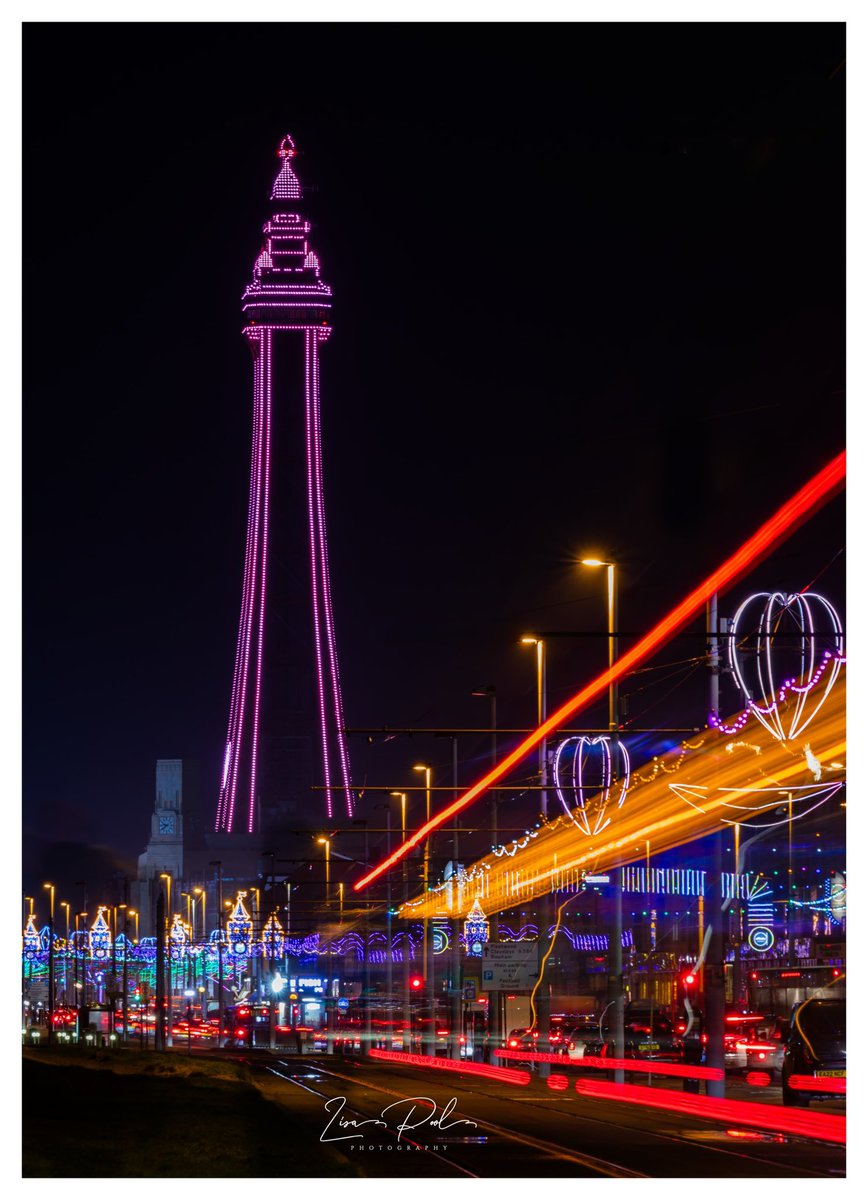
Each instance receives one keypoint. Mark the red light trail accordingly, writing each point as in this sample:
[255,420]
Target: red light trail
[825,1127]
[504,1074]
[806,501]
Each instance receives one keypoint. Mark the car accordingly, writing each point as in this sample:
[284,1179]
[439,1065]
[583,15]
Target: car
[741,1028]
[647,1036]
[690,1027]
[522,1039]
[816,1046]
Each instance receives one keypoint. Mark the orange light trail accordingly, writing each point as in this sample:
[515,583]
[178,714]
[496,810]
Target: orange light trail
[812,496]
[717,783]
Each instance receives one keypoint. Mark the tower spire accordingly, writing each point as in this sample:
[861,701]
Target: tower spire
[286,185]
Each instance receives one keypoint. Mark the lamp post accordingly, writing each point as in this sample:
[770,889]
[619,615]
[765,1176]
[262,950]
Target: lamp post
[125,1001]
[50,888]
[219,865]
[541,716]
[405,1040]
[616,959]
[427,940]
[65,904]
[164,937]
[544,1006]
[491,693]
[25,971]
[199,894]
[326,842]
[189,967]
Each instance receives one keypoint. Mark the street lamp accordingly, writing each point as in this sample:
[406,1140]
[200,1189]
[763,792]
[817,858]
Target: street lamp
[403,798]
[200,893]
[427,941]
[324,841]
[163,934]
[491,693]
[541,716]
[50,888]
[612,608]
[616,964]
[65,904]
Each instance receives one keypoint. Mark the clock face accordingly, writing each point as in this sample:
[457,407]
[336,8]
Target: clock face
[167,824]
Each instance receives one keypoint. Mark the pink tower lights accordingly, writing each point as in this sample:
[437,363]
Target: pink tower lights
[285,297]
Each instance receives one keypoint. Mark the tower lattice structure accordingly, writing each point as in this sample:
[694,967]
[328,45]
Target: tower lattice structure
[287,308]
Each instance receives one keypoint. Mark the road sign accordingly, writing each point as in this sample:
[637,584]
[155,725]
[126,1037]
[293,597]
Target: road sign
[761,938]
[507,965]
[470,989]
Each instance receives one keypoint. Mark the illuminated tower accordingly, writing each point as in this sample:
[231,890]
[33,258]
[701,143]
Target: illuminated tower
[287,308]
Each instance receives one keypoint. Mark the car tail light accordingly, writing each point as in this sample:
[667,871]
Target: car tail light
[240,1033]
[513,1043]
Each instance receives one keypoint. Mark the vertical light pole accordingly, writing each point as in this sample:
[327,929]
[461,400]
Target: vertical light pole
[427,940]
[457,994]
[714,976]
[406,1043]
[326,842]
[616,962]
[25,972]
[76,986]
[65,904]
[164,935]
[544,1007]
[389,976]
[125,980]
[200,894]
[540,717]
[50,888]
[491,693]
[791,940]
[219,865]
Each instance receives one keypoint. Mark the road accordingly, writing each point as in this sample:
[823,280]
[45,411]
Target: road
[464,1126]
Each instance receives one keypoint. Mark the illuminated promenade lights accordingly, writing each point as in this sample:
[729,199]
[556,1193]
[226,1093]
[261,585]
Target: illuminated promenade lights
[803,504]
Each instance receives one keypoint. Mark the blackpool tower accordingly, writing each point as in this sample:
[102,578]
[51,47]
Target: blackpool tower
[286,694]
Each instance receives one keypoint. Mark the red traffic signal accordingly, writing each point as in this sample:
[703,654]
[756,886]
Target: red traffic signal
[416,983]
[689,979]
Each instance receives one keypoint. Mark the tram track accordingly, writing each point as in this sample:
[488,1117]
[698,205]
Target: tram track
[590,1162]
[596,1163]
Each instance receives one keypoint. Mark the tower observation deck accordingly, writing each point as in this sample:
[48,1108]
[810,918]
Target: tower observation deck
[285,728]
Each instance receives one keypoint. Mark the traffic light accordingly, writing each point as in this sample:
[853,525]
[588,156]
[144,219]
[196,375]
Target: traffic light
[416,983]
[689,984]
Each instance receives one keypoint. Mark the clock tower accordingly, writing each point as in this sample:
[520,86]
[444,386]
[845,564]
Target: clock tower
[165,848]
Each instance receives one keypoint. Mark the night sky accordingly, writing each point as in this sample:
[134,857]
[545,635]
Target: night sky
[588,295]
